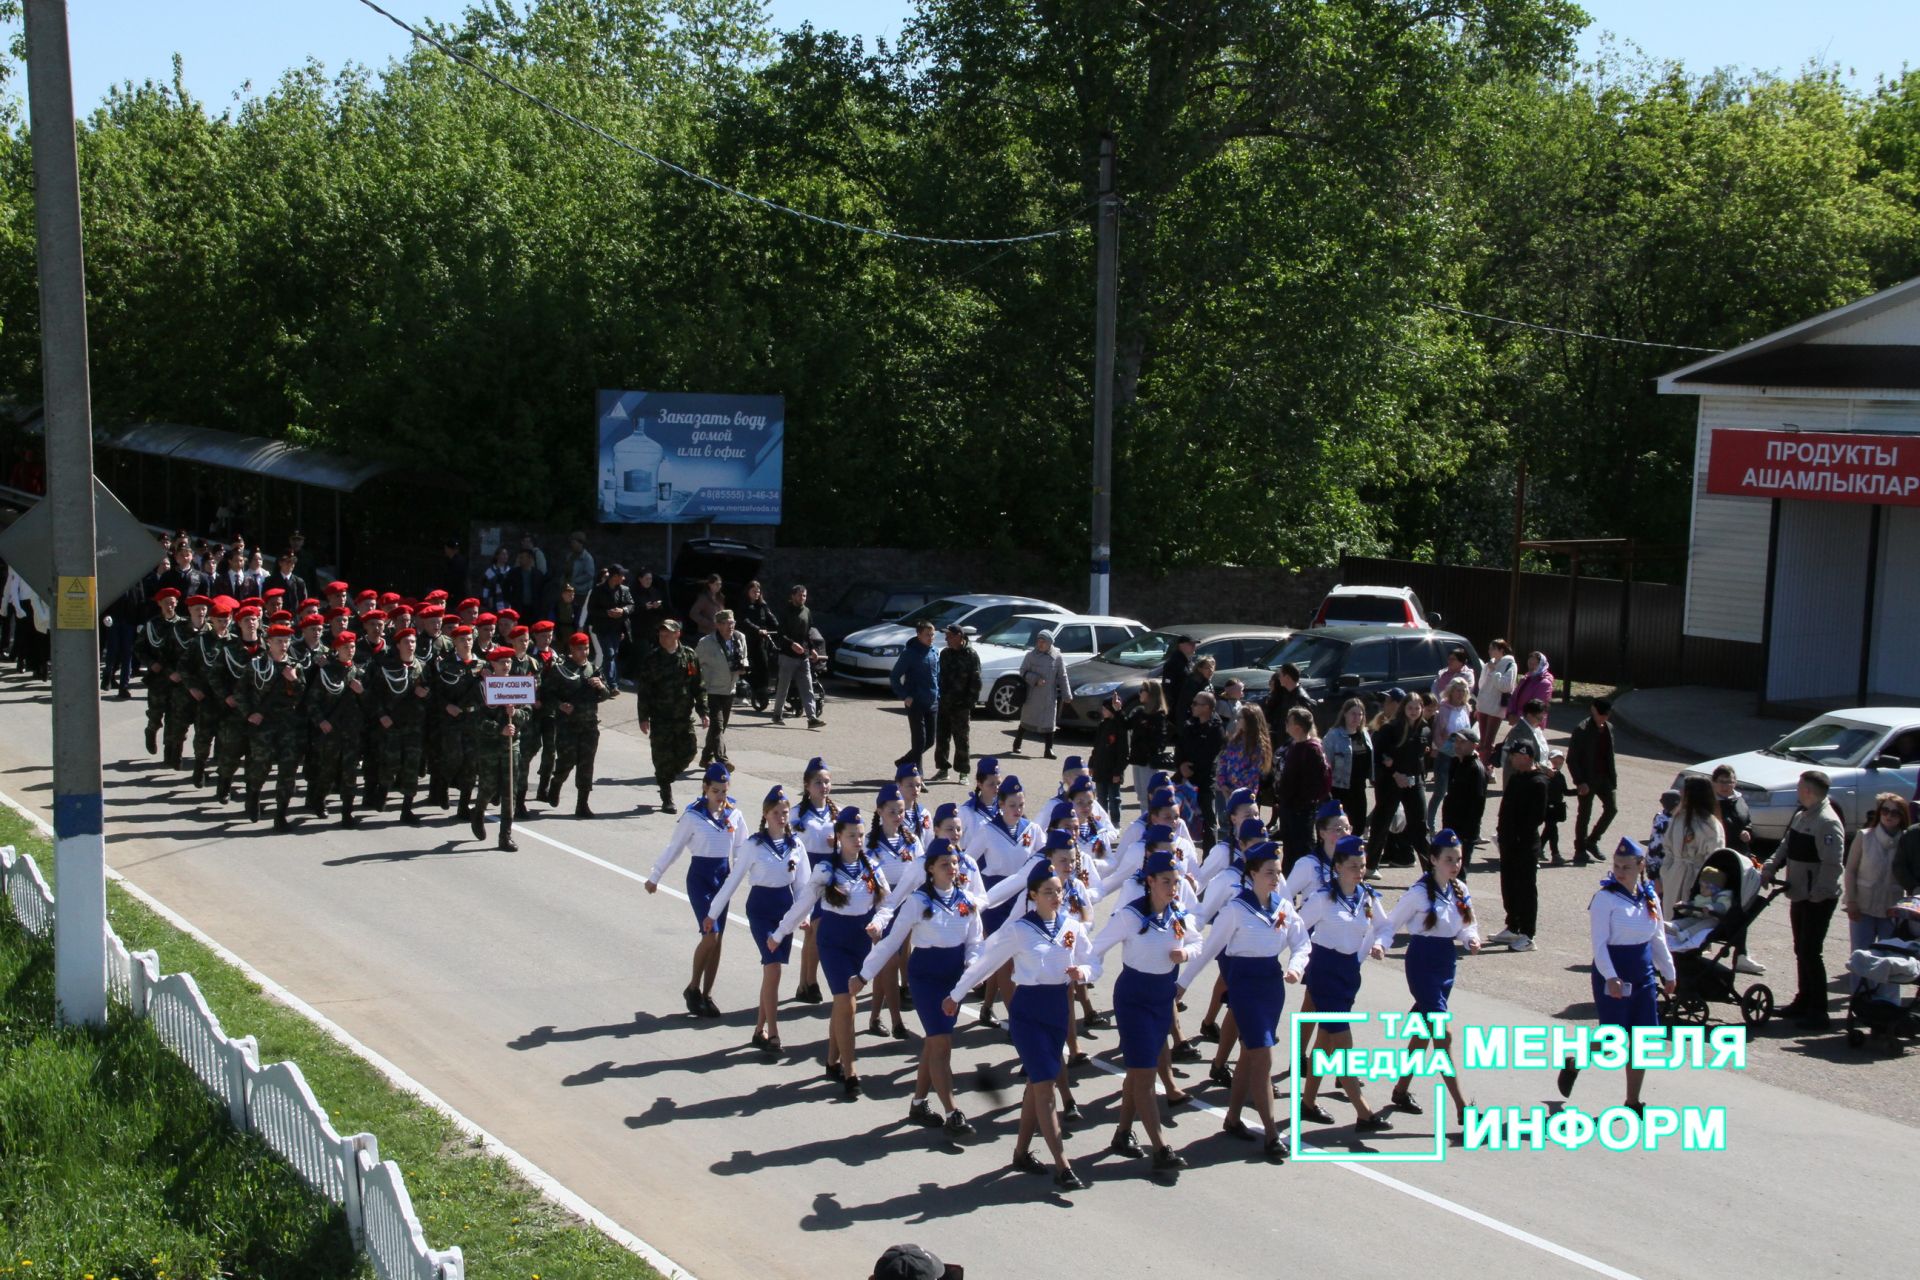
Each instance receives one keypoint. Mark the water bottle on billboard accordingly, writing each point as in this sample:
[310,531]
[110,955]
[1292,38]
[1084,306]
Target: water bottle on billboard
[636,460]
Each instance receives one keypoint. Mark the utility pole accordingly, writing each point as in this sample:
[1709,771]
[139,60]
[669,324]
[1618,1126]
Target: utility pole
[1105,319]
[79,850]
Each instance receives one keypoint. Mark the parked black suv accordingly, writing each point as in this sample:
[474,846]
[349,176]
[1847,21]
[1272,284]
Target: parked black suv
[1337,663]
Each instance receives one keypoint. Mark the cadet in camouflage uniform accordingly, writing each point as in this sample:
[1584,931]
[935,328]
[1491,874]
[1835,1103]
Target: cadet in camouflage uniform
[311,650]
[398,683]
[668,692]
[227,664]
[524,664]
[183,679]
[335,695]
[272,699]
[493,731]
[153,646]
[371,624]
[575,689]
[543,732]
[452,676]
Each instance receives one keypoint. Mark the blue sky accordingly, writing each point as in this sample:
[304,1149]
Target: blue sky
[228,43]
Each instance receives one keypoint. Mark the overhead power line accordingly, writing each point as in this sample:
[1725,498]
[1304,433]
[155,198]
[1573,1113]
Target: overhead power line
[563,114]
[1570,333]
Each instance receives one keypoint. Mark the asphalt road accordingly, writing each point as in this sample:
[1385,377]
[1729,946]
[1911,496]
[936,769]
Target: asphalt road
[538,992]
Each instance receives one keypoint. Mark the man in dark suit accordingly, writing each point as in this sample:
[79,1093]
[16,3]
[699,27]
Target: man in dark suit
[286,576]
[526,587]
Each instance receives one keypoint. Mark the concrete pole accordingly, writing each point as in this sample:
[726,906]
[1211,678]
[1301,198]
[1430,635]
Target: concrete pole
[79,851]
[1105,320]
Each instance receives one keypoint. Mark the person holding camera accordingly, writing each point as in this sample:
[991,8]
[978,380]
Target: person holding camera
[723,659]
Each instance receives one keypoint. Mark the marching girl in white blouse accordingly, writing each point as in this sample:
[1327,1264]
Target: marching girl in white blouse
[1247,938]
[1632,966]
[1136,831]
[946,826]
[915,815]
[1099,842]
[1163,810]
[1349,925]
[1435,913]
[1046,952]
[1077,901]
[848,887]
[813,824]
[1152,932]
[710,830]
[1072,770]
[896,846]
[1314,871]
[1003,846]
[1217,892]
[774,868]
[1241,809]
[977,810]
[942,920]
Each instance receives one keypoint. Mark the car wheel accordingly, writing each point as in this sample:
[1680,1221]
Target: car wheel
[1005,699]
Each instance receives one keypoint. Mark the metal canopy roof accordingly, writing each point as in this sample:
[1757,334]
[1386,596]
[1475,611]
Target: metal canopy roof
[274,458]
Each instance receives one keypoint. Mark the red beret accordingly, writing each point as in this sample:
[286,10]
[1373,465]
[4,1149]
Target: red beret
[280,615]
[543,626]
[437,595]
[516,633]
[339,588]
[468,603]
[311,620]
[428,610]
[254,600]
[462,630]
[366,594]
[404,633]
[310,605]
[220,611]
[202,601]
[167,593]
[373,615]
[510,613]
[499,653]
[247,611]
[279,629]
[390,597]
[344,639]
[402,606]
[270,592]
[339,611]
[581,638]
[487,619]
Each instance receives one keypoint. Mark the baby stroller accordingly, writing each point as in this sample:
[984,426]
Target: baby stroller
[1720,919]
[1887,1020]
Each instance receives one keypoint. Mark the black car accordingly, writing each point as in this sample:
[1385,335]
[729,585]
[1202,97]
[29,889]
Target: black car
[698,559]
[863,604]
[1337,663]
[1125,667]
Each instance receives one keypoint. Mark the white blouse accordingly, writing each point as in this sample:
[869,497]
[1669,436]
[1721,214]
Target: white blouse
[702,835]
[1135,835]
[930,923]
[815,829]
[1309,875]
[909,876]
[1041,954]
[863,894]
[764,863]
[1410,913]
[1146,945]
[896,852]
[1351,925]
[1120,880]
[1244,929]
[1003,852]
[1620,921]
[973,816]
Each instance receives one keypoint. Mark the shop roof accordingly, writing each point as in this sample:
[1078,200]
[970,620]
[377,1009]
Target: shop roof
[252,454]
[1870,347]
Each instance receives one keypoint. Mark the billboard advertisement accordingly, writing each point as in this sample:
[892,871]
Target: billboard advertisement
[677,458]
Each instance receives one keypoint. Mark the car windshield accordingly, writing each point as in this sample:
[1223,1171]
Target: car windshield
[1366,609]
[1142,651]
[1317,657]
[1017,633]
[1828,742]
[938,612]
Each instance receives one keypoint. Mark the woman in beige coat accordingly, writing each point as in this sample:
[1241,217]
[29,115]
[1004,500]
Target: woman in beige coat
[1867,887]
[1045,674]
[1693,834]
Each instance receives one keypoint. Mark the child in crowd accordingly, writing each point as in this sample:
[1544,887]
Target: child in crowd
[1669,801]
[1558,789]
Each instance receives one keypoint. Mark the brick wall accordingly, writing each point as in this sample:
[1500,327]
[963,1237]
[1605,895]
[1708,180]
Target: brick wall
[1265,597]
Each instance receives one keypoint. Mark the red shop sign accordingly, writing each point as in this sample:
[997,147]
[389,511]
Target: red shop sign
[1816,466]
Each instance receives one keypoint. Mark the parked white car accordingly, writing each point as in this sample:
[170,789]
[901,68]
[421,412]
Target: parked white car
[867,656]
[1346,606]
[1865,750]
[1076,637]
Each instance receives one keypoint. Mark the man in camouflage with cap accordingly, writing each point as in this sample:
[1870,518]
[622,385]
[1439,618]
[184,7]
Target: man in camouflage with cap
[153,646]
[494,731]
[543,729]
[184,677]
[451,676]
[575,688]
[398,684]
[668,694]
[227,660]
[335,700]
[271,697]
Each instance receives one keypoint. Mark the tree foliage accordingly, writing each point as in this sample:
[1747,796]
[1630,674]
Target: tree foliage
[412,263]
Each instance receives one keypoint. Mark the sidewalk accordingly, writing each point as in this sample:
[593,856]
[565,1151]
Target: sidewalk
[1698,723]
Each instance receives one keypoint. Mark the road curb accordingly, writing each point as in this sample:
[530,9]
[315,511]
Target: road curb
[544,1182]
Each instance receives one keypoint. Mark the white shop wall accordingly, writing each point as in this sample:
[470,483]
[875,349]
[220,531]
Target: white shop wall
[1895,670]
[1819,601]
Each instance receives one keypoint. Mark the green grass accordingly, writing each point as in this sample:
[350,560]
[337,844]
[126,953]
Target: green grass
[464,1196]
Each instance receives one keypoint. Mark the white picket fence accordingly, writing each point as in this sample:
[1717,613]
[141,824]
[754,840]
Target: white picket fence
[273,1102]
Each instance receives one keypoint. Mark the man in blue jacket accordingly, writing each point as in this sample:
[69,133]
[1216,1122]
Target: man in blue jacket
[916,682]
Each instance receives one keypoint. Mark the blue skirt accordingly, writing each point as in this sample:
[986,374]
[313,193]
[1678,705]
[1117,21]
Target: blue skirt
[931,973]
[1257,994]
[1037,1021]
[767,906]
[1143,1006]
[1430,965]
[705,876]
[1333,980]
[1640,1007]
[993,917]
[843,947]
